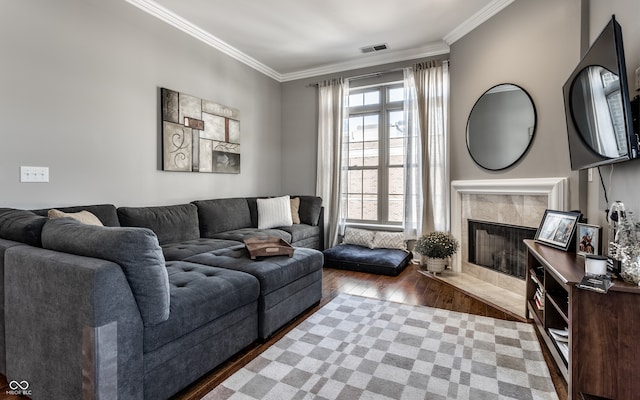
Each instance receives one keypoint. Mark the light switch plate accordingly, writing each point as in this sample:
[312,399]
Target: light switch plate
[34,174]
[638,78]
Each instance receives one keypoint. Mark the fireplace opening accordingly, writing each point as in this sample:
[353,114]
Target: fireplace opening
[499,247]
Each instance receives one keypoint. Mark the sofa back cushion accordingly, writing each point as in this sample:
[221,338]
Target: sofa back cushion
[222,215]
[172,224]
[310,207]
[106,213]
[21,226]
[136,250]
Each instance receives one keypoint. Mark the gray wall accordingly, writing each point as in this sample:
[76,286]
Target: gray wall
[534,44]
[80,83]
[79,94]
[624,184]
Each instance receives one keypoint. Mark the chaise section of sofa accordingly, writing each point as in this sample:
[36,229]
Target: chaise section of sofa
[100,303]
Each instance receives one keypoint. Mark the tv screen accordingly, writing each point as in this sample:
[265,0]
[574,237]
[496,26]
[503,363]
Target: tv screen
[597,105]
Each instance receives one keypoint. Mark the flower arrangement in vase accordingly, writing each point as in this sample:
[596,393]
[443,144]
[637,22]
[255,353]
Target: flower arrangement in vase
[628,249]
[437,247]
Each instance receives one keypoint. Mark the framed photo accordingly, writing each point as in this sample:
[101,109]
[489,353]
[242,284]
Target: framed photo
[557,228]
[588,239]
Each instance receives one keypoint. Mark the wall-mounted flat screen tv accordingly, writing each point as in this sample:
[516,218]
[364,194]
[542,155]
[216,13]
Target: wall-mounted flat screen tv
[597,105]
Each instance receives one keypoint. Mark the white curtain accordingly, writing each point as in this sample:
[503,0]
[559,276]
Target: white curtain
[330,181]
[426,148]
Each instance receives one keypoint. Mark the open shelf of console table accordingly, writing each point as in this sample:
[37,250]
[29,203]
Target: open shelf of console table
[603,329]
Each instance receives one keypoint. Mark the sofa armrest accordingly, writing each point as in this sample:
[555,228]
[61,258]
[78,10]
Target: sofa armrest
[73,328]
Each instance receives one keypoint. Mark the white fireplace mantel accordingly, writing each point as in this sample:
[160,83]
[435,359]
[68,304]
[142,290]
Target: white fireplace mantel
[554,188]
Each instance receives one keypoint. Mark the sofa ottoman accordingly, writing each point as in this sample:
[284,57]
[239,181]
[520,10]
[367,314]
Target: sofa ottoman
[288,285]
[363,259]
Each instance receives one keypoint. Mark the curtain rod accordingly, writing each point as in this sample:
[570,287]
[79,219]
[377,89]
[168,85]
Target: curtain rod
[364,76]
[373,74]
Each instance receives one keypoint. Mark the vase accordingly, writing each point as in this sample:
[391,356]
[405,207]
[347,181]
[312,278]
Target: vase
[436,265]
[630,270]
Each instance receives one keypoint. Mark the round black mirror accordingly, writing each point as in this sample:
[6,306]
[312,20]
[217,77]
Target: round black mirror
[501,127]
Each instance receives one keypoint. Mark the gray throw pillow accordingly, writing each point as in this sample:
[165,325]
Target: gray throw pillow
[21,226]
[310,207]
[136,250]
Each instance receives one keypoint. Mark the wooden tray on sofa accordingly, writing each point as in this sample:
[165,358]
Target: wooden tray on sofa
[268,246]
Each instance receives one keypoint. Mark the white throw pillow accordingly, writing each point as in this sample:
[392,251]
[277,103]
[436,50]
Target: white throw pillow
[389,240]
[274,212]
[360,237]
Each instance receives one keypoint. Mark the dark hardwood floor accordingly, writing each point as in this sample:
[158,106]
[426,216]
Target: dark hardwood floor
[410,287]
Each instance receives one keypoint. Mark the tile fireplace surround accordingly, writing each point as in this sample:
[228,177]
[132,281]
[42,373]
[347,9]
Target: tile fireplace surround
[510,201]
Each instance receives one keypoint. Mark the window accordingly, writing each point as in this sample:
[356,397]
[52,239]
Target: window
[375,145]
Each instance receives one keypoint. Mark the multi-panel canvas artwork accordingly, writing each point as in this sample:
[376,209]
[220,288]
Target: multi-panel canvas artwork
[199,135]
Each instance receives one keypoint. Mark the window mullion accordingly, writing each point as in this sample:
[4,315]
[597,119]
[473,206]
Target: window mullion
[383,186]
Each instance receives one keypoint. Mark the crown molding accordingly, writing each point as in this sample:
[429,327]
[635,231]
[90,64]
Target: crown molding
[476,20]
[165,15]
[370,60]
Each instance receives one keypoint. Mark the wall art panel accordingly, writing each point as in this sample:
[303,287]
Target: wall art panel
[199,135]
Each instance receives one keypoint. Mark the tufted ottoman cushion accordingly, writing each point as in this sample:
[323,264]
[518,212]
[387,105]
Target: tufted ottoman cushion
[288,285]
[199,295]
[359,258]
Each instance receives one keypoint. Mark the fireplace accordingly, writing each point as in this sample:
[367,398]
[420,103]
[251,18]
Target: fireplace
[499,246]
[516,202]
[520,202]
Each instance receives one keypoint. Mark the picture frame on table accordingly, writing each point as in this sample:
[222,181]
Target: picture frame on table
[557,228]
[588,239]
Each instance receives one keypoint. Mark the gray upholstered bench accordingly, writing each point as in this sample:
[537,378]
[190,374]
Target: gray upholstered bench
[288,285]
[359,258]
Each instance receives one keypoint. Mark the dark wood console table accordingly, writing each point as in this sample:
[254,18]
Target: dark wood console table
[603,329]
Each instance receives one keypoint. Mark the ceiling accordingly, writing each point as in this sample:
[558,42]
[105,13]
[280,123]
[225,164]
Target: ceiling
[294,39]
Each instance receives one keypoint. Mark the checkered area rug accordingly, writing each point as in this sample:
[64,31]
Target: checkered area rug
[361,348]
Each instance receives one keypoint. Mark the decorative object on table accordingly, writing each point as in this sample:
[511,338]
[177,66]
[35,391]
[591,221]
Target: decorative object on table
[437,247]
[557,228]
[199,135]
[588,239]
[265,246]
[595,274]
[627,248]
[595,283]
[615,215]
[595,265]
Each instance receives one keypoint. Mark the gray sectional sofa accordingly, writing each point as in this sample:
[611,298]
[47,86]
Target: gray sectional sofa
[144,306]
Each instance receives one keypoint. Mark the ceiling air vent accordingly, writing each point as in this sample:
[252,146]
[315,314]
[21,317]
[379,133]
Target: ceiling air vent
[372,48]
